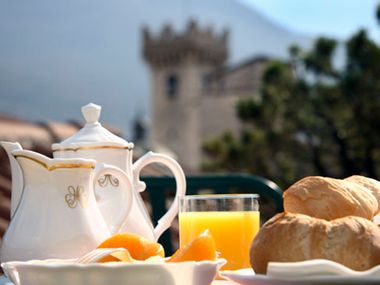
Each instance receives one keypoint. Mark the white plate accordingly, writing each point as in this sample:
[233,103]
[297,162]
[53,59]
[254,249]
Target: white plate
[248,277]
[63,272]
[241,277]
[317,271]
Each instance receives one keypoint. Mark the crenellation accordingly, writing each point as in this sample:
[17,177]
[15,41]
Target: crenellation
[170,47]
[146,35]
[225,36]
[192,28]
[167,32]
[209,32]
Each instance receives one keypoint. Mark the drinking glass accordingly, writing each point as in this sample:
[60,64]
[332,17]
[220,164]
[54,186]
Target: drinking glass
[232,219]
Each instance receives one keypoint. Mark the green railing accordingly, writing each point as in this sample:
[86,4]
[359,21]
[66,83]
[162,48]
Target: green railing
[161,187]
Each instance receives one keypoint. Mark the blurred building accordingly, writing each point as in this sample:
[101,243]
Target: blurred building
[193,91]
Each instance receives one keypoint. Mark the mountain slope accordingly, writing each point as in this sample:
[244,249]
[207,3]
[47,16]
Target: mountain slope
[66,54]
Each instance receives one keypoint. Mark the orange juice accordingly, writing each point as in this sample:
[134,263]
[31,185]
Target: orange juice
[233,233]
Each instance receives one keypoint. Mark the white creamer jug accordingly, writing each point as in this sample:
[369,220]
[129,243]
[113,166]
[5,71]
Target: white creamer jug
[57,214]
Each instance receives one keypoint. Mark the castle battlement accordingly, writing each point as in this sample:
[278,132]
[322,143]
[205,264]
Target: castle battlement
[171,47]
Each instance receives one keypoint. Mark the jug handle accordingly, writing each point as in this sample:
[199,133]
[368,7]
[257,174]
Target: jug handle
[102,169]
[150,157]
[17,175]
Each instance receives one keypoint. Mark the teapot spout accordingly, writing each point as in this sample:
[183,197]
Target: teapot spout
[17,176]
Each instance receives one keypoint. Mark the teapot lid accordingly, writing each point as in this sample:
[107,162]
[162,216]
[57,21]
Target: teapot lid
[92,134]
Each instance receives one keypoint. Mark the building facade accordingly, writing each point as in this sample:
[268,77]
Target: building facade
[193,91]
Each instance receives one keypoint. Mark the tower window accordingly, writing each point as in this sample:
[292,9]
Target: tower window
[172,86]
[206,80]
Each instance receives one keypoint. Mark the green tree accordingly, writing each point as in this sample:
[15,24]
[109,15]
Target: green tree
[312,118]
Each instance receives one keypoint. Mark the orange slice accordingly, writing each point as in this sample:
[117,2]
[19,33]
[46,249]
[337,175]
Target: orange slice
[201,248]
[123,256]
[139,247]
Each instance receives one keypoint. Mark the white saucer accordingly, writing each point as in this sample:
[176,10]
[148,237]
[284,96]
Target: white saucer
[316,272]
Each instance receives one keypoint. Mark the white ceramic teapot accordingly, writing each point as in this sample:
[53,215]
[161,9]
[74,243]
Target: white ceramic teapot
[95,142]
[57,215]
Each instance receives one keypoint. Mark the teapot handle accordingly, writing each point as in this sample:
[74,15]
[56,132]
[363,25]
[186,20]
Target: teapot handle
[126,194]
[150,157]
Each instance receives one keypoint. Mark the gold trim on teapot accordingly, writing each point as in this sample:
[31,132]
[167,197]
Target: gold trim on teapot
[58,165]
[93,147]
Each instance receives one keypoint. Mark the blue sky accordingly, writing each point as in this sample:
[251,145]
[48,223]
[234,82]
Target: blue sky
[65,54]
[338,18]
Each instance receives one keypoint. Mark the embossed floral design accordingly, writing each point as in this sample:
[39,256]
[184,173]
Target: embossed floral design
[108,178]
[75,196]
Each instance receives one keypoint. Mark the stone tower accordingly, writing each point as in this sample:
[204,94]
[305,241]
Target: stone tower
[181,65]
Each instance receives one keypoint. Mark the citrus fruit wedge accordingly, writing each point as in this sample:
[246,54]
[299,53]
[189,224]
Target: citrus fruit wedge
[201,248]
[139,248]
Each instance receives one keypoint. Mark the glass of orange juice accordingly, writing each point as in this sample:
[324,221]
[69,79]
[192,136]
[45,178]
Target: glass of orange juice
[232,219]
